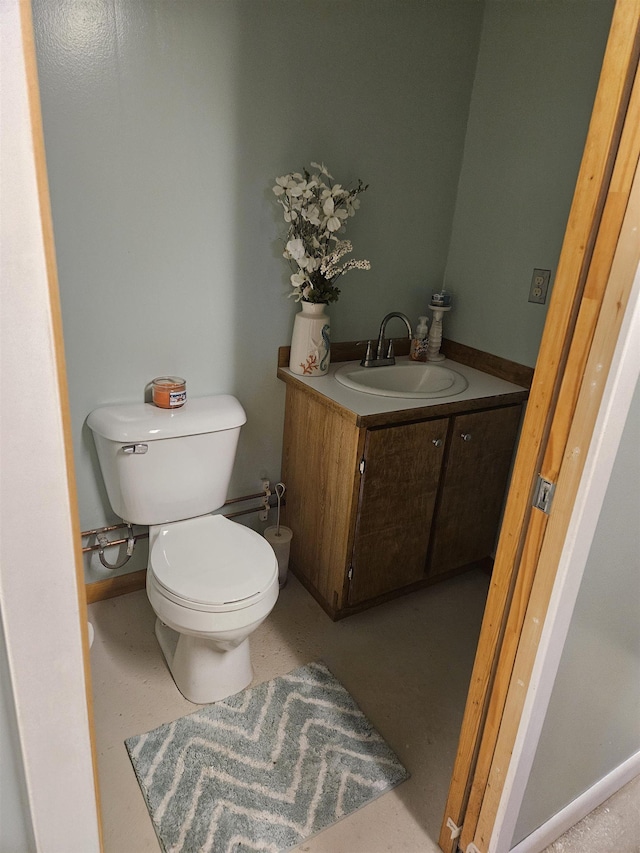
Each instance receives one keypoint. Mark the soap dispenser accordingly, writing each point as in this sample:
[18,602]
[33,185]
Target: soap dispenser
[419,342]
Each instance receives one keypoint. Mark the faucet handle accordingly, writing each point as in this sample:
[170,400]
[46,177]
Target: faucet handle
[369,357]
[390,350]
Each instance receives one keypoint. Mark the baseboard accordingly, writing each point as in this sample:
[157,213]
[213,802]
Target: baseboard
[580,807]
[120,585]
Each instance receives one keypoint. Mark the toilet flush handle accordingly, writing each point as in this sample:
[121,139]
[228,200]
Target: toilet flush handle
[135,448]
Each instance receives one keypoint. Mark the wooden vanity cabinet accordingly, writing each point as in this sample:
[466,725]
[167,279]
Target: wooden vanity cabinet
[381,509]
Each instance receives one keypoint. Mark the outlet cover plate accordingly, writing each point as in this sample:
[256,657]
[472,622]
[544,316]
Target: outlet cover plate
[539,286]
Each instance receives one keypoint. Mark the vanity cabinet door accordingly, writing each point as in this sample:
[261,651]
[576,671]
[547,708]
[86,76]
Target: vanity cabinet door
[397,498]
[474,483]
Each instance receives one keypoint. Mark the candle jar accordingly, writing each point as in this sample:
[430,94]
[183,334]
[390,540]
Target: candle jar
[169,392]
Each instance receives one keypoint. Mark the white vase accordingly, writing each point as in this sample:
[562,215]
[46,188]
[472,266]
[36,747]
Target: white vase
[310,342]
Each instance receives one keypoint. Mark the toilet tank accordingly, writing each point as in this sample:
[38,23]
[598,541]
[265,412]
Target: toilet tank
[162,465]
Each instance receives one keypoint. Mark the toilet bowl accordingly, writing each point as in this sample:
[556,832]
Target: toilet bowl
[211,583]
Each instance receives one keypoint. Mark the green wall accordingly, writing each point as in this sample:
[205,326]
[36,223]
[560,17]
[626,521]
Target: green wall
[166,123]
[535,83]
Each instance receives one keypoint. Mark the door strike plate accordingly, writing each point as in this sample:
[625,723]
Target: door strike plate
[543,496]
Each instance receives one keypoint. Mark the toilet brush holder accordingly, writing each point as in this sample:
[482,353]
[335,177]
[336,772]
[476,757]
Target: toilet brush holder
[280,540]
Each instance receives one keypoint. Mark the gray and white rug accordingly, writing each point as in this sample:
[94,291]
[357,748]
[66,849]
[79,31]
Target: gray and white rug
[262,770]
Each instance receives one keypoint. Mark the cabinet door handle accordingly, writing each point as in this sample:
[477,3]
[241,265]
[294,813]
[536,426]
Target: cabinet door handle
[437,442]
[465,436]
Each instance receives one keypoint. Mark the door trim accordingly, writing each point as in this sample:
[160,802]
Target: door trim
[61,672]
[576,492]
[592,232]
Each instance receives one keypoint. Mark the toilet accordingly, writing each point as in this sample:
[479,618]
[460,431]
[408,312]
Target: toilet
[210,581]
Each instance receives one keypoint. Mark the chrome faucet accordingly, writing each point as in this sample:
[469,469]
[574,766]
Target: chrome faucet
[381,358]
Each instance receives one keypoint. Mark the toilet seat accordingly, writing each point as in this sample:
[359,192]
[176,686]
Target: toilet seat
[211,564]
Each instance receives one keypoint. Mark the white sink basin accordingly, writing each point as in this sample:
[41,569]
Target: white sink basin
[412,379]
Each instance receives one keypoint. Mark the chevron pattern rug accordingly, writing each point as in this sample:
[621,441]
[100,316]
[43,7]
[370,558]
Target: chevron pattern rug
[262,770]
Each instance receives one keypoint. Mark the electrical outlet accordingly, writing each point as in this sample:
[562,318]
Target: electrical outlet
[539,286]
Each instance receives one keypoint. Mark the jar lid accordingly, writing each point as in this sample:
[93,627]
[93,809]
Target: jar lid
[169,380]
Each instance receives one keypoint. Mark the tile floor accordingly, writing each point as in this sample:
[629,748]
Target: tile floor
[407,663]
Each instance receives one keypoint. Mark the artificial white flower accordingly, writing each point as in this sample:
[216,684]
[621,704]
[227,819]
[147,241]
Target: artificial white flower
[298,279]
[322,169]
[281,184]
[312,215]
[295,248]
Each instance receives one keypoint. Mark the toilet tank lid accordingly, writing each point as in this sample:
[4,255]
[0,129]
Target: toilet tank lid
[146,422]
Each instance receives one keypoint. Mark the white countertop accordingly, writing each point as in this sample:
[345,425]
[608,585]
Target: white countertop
[480,385]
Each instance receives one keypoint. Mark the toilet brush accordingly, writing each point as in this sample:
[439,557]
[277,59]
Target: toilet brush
[280,490]
[279,537]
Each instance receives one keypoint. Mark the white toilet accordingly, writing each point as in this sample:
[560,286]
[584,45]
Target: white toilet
[210,581]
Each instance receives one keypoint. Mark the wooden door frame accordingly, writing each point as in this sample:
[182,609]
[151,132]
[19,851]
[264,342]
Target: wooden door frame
[594,225]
